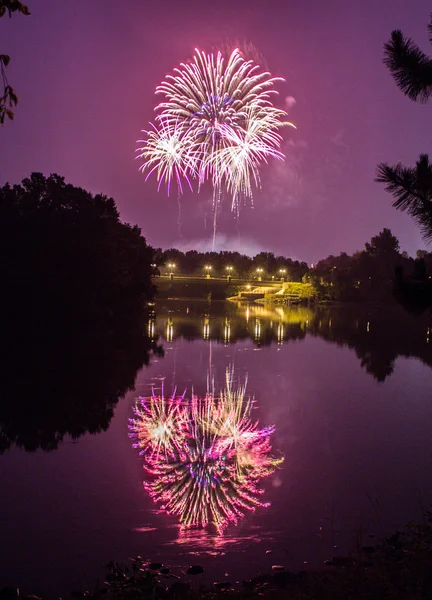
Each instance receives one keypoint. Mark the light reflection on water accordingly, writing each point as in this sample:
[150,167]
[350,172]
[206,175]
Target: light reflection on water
[349,392]
[335,414]
[377,335]
[199,541]
[204,456]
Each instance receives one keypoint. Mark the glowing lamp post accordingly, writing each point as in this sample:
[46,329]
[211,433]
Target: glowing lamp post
[171,267]
[259,273]
[229,270]
[282,272]
[207,270]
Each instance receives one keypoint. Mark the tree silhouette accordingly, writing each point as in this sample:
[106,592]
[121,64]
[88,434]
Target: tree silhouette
[412,190]
[410,67]
[410,186]
[75,286]
[383,245]
[8,98]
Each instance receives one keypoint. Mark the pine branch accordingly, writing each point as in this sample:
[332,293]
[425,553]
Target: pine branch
[410,67]
[430,29]
[411,189]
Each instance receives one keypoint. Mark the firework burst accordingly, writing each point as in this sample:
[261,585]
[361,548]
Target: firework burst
[214,455]
[157,423]
[216,122]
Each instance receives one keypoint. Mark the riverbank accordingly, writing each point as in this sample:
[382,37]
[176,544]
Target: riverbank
[202,288]
[399,567]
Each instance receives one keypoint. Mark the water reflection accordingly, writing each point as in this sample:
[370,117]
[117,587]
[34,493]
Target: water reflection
[56,382]
[378,336]
[204,457]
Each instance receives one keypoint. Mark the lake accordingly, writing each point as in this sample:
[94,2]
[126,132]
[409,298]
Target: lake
[347,389]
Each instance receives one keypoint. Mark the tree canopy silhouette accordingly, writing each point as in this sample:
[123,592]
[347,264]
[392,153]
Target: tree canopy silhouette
[411,187]
[75,286]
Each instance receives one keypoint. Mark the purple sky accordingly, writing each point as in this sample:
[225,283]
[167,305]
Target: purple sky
[85,73]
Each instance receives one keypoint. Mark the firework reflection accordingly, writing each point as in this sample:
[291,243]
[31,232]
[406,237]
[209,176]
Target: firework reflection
[204,457]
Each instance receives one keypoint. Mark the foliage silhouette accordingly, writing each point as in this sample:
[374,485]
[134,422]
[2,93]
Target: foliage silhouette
[412,190]
[8,98]
[193,262]
[409,66]
[364,277]
[410,186]
[75,287]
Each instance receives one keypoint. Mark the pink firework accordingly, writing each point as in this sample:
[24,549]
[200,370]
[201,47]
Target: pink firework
[215,122]
[214,455]
[157,424]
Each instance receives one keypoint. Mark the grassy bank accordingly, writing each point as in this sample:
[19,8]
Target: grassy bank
[200,288]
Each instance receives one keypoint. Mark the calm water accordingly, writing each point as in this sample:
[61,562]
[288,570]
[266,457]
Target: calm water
[350,394]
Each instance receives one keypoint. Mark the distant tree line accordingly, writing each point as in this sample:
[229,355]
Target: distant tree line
[378,273]
[225,263]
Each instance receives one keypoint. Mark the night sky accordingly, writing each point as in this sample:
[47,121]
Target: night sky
[85,74]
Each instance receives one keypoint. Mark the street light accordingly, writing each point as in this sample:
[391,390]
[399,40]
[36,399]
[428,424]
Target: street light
[260,272]
[229,274]
[207,269]
[171,267]
[282,272]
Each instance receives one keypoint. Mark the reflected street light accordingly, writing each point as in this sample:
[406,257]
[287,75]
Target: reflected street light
[206,328]
[227,331]
[169,330]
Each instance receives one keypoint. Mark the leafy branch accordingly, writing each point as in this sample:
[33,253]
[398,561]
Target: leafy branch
[8,98]
[12,6]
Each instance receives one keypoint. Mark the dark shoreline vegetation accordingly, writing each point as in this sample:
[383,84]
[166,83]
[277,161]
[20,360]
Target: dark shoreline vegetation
[378,274]
[76,283]
[398,567]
